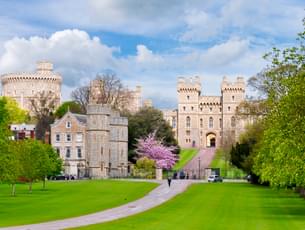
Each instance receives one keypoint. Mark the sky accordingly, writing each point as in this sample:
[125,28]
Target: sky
[149,43]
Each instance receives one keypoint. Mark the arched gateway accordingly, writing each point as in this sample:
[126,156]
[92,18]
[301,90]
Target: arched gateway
[211,140]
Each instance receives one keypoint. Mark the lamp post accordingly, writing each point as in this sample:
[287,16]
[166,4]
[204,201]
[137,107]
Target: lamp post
[199,167]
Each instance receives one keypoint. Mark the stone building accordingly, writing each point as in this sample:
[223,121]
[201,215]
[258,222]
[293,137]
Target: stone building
[68,138]
[24,87]
[206,121]
[95,144]
[106,141]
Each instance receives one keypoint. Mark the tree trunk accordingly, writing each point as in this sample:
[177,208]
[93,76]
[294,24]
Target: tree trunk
[30,187]
[44,183]
[13,189]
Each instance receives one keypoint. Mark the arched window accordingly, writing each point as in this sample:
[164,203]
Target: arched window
[188,122]
[201,123]
[220,122]
[233,121]
[211,122]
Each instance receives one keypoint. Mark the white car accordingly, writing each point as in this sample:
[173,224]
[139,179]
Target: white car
[214,178]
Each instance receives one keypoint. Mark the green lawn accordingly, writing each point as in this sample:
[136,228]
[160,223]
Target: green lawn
[66,199]
[184,157]
[220,206]
[226,169]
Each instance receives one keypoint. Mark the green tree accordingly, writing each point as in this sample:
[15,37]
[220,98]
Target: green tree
[144,122]
[15,113]
[280,157]
[10,168]
[72,106]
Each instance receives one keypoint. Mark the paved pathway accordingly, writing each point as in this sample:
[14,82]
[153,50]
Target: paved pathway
[156,197]
[206,157]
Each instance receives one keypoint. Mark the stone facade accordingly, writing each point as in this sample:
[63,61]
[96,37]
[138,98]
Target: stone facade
[106,141]
[94,145]
[24,87]
[68,138]
[206,121]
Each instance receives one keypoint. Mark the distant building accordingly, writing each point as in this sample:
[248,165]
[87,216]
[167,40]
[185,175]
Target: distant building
[23,131]
[23,87]
[206,121]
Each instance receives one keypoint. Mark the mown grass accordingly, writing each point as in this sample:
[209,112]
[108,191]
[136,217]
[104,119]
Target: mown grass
[66,199]
[184,157]
[226,206]
[226,169]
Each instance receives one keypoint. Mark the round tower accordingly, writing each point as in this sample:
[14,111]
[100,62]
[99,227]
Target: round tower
[23,87]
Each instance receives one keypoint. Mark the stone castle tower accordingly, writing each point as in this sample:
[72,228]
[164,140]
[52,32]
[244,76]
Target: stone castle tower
[206,121]
[106,139]
[24,87]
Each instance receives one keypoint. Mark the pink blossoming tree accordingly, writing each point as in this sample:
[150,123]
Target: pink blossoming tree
[155,149]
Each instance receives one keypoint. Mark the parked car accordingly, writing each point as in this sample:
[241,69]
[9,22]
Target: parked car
[214,178]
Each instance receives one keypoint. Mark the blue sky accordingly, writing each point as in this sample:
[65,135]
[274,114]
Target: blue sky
[148,43]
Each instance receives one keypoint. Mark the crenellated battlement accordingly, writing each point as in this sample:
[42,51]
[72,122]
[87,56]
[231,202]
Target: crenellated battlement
[189,85]
[237,86]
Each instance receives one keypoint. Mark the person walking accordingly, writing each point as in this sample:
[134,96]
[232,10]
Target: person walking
[169,180]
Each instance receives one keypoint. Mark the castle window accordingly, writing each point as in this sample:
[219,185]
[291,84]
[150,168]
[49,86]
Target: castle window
[211,122]
[68,124]
[233,122]
[192,108]
[188,97]
[174,122]
[188,122]
[211,109]
[68,152]
[68,137]
[229,108]
[57,151]
[57,137]
[220,109]
[79,137]
[79,152]
[233,98]
[220,122]
[201,123]
[183,108]
[188,132]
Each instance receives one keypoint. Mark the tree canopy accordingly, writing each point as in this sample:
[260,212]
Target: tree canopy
[144,122]
[72,106]
[280,157]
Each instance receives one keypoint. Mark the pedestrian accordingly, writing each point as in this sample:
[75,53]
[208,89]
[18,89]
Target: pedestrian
[169,180]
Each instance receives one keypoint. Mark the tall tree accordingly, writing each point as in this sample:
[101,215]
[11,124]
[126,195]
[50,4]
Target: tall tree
[144,122]
[15,113]
[105,89]
[43,107]
[280,157]
[81,97]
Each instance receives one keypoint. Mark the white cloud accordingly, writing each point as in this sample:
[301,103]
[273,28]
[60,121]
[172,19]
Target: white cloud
[73,53]
[78,57]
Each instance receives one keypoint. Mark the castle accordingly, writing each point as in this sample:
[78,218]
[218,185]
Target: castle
[95,144]
[24,87]
[206,121]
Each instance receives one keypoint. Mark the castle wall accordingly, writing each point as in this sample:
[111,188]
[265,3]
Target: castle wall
[206,121]
[23,87]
